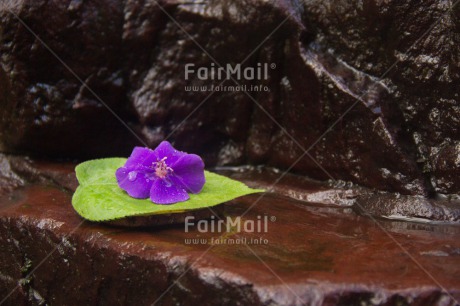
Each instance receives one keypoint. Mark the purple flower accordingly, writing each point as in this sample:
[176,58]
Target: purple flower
[164,174]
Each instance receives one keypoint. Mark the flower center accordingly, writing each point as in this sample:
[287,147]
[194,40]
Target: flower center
[161,168]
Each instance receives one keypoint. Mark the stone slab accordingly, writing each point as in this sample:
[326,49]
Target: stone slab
[315,255]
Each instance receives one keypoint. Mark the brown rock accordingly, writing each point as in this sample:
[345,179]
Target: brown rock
[17,171]
[316,256]
[402,135]
[311,254]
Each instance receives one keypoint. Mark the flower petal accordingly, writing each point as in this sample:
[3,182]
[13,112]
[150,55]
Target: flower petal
[165,149]
[165,192]
[141,157]
[136,183]
[188,172]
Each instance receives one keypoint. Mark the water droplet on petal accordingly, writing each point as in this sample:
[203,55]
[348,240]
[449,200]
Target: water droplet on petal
[168,183]
[132,175]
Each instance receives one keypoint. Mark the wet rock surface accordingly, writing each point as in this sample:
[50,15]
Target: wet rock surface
[344,194]
[402,135]
[18,171]
[419,209]
[310,254]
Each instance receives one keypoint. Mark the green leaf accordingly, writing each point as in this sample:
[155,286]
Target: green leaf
[98,198]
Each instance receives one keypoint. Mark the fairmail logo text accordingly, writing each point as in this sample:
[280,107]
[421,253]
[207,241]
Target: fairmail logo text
[228,72]
[229,224]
